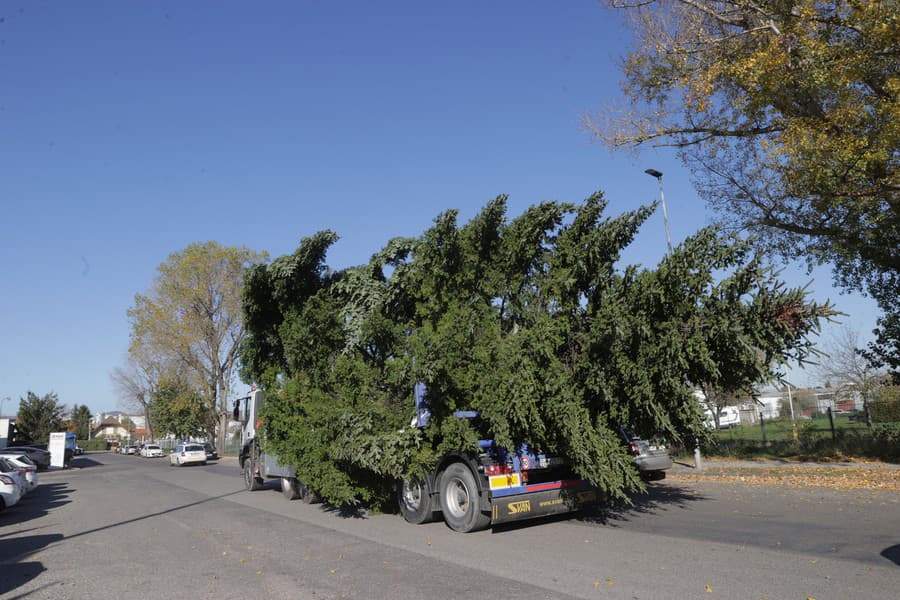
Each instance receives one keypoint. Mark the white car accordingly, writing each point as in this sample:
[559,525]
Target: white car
[10,492]
[23,462]
[185,454]
[151,451]
[16,473]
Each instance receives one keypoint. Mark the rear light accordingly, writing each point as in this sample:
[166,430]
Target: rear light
[498,469]
[182,453]
[6,479]
[635,449]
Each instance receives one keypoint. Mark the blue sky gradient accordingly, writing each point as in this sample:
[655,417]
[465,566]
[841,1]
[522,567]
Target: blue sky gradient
[130,130]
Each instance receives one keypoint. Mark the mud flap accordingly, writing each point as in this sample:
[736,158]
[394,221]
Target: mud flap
[538,504]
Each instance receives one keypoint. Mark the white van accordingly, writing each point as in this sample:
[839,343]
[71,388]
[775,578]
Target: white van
[729,416]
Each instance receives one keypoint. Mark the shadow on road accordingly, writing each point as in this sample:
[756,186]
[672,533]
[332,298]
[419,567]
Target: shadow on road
[657,497]
[37,503]
[83,462]
[892,554]
[22,574]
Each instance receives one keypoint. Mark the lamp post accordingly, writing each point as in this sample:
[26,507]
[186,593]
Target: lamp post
[698,460]
[662,200]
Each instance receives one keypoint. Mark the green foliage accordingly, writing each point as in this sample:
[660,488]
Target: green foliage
[93,444]
[884,350]
[177,409]
[886,409]
[38,417]
[81,420]
[888,434]
[527,321]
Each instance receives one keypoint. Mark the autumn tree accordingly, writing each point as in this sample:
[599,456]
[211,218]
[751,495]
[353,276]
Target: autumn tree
[529,321]
[787,114]
[190,322]
[38,417]
[136,381]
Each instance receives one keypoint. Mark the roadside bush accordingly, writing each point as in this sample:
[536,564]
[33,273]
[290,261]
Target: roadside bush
[886,408]
[93,444]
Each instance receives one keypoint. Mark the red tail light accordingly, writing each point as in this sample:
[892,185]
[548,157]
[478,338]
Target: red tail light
[497,469]
[635,449]
[6,479]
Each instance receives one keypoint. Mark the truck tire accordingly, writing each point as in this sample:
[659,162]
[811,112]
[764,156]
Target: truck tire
[290,488]
[459,500]
[414,498]
[251,481]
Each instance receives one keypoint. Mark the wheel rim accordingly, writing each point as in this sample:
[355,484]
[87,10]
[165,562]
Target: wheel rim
[412,494]
[456,497]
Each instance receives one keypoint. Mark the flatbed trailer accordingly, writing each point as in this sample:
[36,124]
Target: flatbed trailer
[472,491]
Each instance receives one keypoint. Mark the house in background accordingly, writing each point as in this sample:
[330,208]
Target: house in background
[118,426]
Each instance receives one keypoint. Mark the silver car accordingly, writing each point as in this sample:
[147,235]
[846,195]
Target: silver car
[651,458]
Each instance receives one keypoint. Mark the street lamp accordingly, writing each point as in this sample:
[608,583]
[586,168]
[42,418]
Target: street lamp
[698,461]
[662,200]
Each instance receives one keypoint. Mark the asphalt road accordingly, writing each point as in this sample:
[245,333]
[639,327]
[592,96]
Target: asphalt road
[119,526]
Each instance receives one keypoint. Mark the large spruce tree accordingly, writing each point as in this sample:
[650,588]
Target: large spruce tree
[529,321]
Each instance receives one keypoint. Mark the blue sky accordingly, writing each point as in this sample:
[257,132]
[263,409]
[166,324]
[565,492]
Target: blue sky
[130,130]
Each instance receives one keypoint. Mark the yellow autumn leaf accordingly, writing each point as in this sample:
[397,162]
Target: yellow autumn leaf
[709,589]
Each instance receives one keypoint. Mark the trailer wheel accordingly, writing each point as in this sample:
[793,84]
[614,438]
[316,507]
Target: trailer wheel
[414,498]
[290,488]
[251,481]
[459,500]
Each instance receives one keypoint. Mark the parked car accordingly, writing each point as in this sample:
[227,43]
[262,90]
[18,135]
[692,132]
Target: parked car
[185,454]
[151,451]
[10,491]
[40,456]
[651,459]
[8,468]
[23,462]
[130,449]
[211,453]
[78,450]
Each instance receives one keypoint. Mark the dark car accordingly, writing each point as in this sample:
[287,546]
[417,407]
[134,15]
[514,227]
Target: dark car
[39,456]
[211,453]
[651,458]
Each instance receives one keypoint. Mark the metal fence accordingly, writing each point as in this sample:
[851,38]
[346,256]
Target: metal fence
[826,434]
